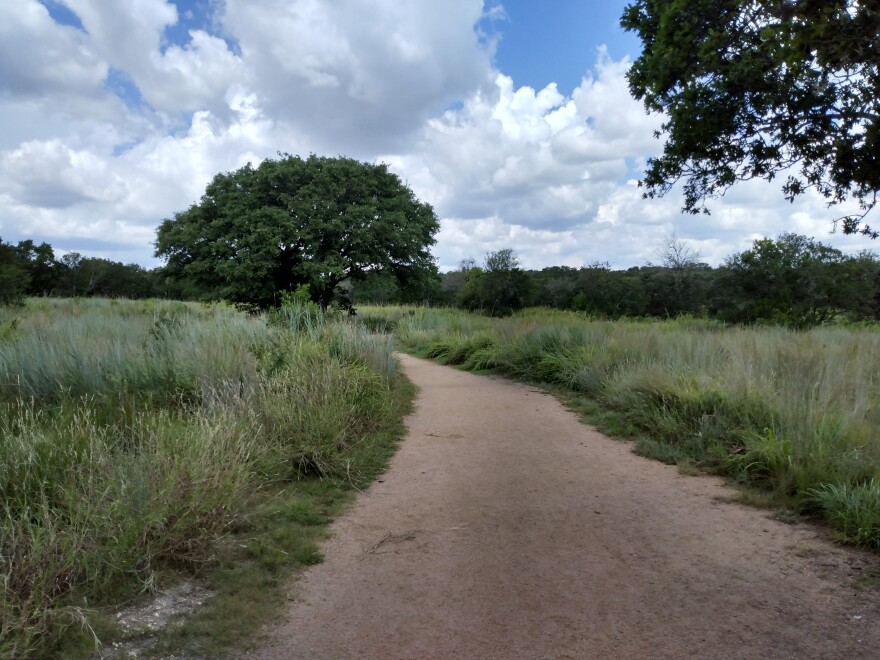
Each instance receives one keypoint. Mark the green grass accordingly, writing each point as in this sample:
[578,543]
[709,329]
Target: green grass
[793,414]
[141,442]
[279,535]
[854,510]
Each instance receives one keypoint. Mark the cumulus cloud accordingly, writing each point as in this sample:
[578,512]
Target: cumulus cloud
[536,159]
[39,57]
[51,175]
[359,73]
[55,193]
[555,178]
[128,36]
[110,129]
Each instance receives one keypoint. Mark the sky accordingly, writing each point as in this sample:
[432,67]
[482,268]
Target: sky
[512,118]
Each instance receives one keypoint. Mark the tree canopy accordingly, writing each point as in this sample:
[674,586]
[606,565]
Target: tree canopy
[791,280]
[292,222]
[28,269]
[499,288]
[14,277]
[759,88]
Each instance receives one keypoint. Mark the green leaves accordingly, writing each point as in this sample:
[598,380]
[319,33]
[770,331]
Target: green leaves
[317,222]
[753,88]
[792,280]
[500,288]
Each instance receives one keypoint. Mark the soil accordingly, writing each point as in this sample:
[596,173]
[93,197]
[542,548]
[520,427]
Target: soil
[505,528]
[144,623]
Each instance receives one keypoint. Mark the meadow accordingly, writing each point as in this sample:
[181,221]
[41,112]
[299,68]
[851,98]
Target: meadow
[142,443]
[791,416]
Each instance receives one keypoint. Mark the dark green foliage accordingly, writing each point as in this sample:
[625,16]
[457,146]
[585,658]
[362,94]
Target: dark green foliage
[863,275]
[756,88]
[14,277]
[43,269]
[679,285]
[595,289]
[78,275]
[499,288]
[382,288]
[555,286]
[504,284]
[292,222]
[32,270]
[792,280]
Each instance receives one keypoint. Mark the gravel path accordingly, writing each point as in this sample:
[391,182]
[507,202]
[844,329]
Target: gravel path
[506,529]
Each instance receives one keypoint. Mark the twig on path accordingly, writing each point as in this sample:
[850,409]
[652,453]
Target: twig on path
[388,537]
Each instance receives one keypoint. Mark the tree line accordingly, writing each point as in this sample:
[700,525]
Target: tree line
[791,280]
[30,269]
[343,232]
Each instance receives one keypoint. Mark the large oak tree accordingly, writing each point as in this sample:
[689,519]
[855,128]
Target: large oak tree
[292,222]
[760,88]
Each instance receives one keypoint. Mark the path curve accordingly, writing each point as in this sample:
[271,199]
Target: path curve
[506,529]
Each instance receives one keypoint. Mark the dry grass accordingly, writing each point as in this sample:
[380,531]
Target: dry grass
[134,435]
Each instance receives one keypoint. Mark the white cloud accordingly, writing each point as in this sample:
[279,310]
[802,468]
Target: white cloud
[411,83]
[129,37]
[536,160]
[50,175]
[359,73]
[54,192]
[39,57]
[553,177]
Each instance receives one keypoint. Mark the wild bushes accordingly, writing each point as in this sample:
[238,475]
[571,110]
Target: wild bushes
[796,413]
[133,434]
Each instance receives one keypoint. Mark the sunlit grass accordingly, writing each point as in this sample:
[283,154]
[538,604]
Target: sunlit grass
[134,435]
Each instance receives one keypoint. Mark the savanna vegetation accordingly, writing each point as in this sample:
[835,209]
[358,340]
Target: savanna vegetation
[319,223]
[791,414]
[145,441]
[322,225]
[791,280]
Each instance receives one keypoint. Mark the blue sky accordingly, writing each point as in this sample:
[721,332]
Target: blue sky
[556,40]
[512,118]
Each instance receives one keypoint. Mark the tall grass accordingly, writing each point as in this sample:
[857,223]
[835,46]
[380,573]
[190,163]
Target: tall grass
[132,435]
[795,413]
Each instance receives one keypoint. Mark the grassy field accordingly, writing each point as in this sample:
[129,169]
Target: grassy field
[793,415]
[144,442]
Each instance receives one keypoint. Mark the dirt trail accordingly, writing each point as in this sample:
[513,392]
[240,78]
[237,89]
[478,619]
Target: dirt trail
[506,529]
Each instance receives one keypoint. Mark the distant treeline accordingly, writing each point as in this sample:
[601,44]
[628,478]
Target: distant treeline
[791,280]
[28,269]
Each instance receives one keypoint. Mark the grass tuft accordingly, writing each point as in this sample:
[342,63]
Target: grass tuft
[854,510]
